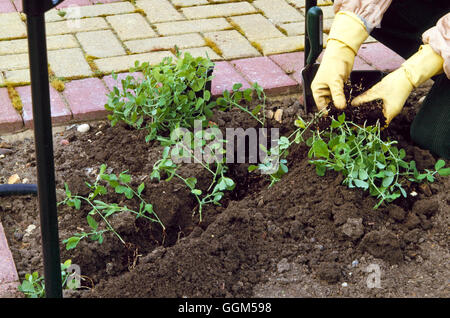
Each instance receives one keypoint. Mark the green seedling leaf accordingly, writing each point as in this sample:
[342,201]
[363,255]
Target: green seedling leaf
[237,86]
[191,182]
[320,149]
[92,223]
[72,242]
[129,193]
[77,203]
[120,189]
[444,172]
[256,110]
[252,168]
[124,178]
[439,164]
[196,191]
[300,123]
[141,188]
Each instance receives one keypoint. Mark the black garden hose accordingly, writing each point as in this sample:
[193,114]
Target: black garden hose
[17,189]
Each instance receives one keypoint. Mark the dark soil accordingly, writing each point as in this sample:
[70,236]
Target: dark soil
[304,237]
[366,114]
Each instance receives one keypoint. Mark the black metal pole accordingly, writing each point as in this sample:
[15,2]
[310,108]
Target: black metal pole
[44,153]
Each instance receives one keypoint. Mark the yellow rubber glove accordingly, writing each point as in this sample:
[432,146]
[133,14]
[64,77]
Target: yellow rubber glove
[395,88]
[346,36]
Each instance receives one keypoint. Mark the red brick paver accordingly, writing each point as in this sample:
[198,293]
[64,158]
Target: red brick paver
[267,74]
[110,82]
[225,76]
[8,273]
[6,6]
[86,98]
[10,120]
[380,56]
[59,110]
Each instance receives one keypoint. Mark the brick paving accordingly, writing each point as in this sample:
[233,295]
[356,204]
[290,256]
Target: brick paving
[87,40]
[250,41]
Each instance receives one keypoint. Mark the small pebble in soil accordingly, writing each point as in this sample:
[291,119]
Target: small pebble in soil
[4,151]
[319,247]
[30,229]
[278,116]
[355,263]
[83,128]
[14,179]
[344,284]
[18,236]
[283,266]
[64,142]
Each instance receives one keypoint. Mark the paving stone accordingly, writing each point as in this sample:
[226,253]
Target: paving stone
[11,26]
[8,273]
[100,43]
[324,2]
[297,3]
[73,3]
[124,63]
[98,10]
[328,12]
[267,74]
[131,26]
[9,290]
[6,6]
[232,44]
[60,112]
[370,39]
[225,76]
[74,26]
[278,11]
[327,25]
[361,65]
[281,45]
[380,56]
[203,25]
[18,77]
[87,98]
[204,51]
[295,28]
[54,15]
[69,63]
[13,62]
[188,3]
[256,27]
[111,83]
[159,10]
[289,62]
[10,121]
[218,10]
[165,43]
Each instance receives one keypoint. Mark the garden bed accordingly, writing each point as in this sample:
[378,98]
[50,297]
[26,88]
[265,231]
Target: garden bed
[306,236]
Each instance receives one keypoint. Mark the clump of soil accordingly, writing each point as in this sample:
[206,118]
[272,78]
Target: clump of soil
[304,237]
[365,114]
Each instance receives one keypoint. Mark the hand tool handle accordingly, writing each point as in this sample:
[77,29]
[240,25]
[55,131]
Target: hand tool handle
[308,5]
[314,29]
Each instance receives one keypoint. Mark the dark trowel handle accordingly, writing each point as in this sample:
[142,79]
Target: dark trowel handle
[314,31]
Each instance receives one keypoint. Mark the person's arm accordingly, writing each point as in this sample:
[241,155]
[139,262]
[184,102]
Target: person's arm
[369,11]
[438,37]
[431,59]
[351,26]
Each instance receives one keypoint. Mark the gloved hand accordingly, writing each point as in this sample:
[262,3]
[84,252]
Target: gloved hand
[346,36]
[395,88]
